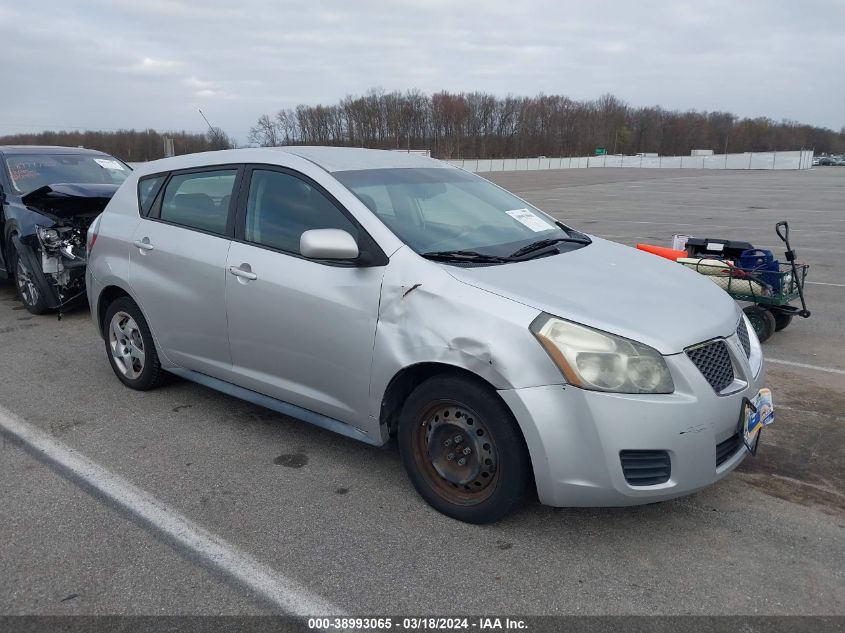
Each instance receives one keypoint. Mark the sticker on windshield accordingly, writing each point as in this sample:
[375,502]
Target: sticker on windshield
[107,163]
[531,220]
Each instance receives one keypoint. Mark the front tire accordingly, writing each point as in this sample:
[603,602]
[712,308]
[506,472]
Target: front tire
[130,346]
[26,285]
[463,450]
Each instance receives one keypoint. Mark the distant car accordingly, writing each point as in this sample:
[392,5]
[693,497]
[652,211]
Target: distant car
[825,161]
[815,160]
[377,293]
[839,161]
[48,198]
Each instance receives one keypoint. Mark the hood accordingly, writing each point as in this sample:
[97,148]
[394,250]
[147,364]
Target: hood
[617,289]
[67,200]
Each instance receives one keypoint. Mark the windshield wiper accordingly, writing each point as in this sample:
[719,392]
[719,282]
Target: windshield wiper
[464,256]
[550,241]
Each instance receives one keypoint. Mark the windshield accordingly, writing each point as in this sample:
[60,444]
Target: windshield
[32,171]
[437,209]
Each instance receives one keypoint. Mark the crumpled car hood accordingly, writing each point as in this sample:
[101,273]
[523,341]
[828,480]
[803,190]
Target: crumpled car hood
[617,289]
[65,200]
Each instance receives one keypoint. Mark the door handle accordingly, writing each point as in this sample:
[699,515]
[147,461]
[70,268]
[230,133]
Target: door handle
[144,244]
[240,272]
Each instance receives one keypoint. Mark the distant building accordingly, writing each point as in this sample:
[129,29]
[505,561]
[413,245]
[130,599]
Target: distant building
[418,152]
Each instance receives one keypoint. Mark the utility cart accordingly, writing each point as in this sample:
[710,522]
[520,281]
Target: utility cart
[754,276]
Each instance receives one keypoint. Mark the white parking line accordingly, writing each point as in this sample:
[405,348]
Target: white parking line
[829,370]
[824,283]
[276,588]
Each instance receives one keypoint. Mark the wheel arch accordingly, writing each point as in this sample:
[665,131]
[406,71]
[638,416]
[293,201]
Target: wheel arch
[106,297]
[407,378]
[404,382]
[114,290]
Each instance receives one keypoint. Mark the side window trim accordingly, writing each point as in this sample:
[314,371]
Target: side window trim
[155,210]
[366,243]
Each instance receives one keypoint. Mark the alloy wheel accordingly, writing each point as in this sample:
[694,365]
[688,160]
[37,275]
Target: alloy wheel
[126,345]
[26,285]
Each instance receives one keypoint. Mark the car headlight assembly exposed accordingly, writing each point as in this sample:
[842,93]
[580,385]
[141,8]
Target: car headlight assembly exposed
[48,238]
[599,361]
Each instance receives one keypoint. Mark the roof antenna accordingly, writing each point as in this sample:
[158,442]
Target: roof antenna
[210,127]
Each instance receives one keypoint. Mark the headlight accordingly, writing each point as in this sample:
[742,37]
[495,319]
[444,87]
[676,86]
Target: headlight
[49,238]
[755,354]
[596,360]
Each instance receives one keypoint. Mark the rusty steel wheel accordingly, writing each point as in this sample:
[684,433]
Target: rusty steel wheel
[458,451]
[463,450]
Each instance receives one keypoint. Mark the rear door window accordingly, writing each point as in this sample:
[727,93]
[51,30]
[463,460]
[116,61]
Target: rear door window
[199,200]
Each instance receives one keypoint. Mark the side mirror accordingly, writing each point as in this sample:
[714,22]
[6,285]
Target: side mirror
[328,244]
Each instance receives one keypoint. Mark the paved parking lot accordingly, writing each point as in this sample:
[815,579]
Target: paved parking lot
[337,520]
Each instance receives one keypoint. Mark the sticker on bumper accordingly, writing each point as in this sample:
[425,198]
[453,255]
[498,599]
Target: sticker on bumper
[756,413]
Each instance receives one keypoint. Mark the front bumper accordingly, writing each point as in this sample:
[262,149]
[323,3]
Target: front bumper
[32,258]
[575,436]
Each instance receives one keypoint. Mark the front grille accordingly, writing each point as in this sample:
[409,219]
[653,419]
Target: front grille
[645,468]
[727,449]
[714,362]
[742,333]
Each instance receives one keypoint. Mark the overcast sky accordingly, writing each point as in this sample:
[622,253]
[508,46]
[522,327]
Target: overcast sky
[152,63]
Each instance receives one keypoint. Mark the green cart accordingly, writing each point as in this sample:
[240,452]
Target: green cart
[770,288]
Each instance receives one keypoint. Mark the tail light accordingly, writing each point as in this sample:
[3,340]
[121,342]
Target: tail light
[92,237]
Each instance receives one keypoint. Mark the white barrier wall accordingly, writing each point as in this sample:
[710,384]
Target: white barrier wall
[802,159]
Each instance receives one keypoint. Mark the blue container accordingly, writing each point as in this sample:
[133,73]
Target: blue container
[763,264]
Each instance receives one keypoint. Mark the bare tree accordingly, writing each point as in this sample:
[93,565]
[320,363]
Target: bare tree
[476,125]
[130,145]
[264,133]
[218,139]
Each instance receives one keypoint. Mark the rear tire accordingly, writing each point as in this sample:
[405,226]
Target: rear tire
[130,347]
[27,288]
[463,450]
[762,320]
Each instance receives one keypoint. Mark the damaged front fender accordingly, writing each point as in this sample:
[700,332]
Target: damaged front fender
[428,316]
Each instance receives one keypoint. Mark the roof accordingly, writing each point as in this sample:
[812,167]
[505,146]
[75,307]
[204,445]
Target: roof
[47,149]
[353,158]
[331,159]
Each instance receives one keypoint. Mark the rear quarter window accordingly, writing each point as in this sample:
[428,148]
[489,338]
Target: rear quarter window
[148,187]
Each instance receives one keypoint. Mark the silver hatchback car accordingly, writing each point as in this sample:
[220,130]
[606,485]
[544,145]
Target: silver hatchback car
[381,294]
